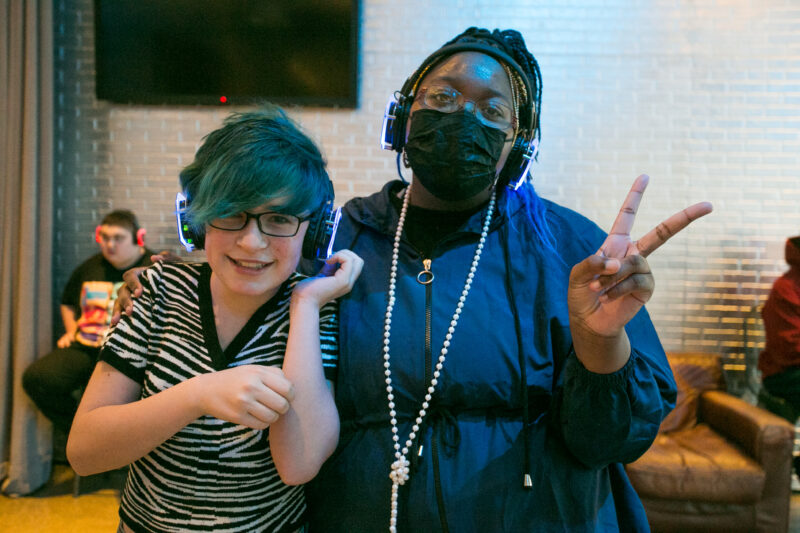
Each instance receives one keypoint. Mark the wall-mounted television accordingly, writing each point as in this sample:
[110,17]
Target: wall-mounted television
[227,52]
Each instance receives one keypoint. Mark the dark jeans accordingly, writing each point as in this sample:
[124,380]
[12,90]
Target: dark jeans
[785,385]
[56,381]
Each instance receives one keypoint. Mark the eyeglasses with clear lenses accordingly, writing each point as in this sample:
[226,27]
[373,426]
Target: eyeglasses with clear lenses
[269,223]
[492,112]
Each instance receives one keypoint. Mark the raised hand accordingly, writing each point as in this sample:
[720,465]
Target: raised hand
[251,395]
[336,278]
[608,288]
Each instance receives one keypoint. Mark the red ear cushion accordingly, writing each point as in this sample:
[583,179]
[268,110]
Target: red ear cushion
[140,236]
[97,234]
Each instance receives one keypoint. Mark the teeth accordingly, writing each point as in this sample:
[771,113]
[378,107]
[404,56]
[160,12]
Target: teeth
[248,264]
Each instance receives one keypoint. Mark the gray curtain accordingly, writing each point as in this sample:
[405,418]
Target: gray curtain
[26,176]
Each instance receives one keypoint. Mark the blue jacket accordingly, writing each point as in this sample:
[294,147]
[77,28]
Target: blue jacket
[469,474]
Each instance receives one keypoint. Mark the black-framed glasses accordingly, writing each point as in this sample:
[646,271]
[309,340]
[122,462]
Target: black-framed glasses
[269,223]
[492,112]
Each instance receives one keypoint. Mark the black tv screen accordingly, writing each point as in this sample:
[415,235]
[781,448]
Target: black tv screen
[217,52]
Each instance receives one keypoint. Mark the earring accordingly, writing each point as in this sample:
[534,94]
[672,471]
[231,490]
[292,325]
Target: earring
[405,160]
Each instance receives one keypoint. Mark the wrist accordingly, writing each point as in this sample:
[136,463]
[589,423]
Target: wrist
[302,302]
[601,354]
[193,391]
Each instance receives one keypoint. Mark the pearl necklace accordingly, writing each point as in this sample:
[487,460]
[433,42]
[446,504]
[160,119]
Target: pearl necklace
[400,470]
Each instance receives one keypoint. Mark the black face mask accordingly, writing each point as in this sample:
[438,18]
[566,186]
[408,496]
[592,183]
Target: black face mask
[453,155]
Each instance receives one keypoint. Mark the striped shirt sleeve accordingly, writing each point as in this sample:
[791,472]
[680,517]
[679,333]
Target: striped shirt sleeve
[126,344]
[329,338]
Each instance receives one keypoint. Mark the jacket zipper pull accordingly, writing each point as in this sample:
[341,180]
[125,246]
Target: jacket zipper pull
[425,276]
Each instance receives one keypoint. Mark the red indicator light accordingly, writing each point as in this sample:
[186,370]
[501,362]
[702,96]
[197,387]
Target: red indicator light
[223,99]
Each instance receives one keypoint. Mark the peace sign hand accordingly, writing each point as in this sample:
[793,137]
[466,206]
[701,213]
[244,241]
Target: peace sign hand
[608,288]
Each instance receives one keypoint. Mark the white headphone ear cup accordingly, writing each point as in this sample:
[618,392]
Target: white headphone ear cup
[312,237]
[321,232]
[395,116]
[519,161]
[187,236]
[388,130]
[322,227]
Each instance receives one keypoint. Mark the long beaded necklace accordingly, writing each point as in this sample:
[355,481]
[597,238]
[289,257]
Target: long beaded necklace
[400,470]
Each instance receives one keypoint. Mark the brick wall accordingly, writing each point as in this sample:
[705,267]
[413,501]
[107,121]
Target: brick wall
[704,96]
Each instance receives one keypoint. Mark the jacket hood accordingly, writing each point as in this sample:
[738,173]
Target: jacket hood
[793,251]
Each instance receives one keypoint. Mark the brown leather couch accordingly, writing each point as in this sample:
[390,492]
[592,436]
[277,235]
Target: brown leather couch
[718,463]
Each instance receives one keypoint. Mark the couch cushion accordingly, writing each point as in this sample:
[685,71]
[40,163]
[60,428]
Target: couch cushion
[694,373]
[697,464]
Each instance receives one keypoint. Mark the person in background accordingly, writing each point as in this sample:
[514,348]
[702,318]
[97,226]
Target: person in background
[55,381]
[221,408]
[779,362]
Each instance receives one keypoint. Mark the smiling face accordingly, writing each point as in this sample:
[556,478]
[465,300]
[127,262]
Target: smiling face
[248,265]
[479,78]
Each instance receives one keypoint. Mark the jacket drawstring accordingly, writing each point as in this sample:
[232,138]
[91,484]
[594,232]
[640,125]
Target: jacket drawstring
[526,462]
[445,427]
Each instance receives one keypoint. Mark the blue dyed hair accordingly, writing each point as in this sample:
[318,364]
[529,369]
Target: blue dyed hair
[535,211]
[254,158]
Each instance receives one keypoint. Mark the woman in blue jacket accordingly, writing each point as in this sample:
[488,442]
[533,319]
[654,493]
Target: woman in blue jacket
[497,366]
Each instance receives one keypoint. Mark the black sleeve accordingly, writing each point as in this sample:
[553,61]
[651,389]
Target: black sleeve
[72,291]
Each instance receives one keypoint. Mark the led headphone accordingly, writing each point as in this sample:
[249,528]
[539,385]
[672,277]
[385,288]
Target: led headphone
[525,145]
[140,233]
[317,243]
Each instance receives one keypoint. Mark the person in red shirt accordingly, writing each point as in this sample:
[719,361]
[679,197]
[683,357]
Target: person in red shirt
[780,361]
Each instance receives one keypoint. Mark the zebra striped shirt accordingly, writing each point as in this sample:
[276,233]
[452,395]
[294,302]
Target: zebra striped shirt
[212,475]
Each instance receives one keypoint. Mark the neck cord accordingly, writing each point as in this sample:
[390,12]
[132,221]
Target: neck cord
[400,467]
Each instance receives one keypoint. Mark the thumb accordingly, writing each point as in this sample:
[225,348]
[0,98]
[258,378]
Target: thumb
[592,267]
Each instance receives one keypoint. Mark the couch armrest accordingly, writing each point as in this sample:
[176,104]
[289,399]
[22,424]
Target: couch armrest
[767,438]
[756,430]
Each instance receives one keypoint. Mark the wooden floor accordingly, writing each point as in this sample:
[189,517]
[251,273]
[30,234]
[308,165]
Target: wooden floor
[52,509]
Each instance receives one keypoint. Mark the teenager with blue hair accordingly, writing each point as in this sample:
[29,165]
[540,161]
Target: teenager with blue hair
[220,407]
